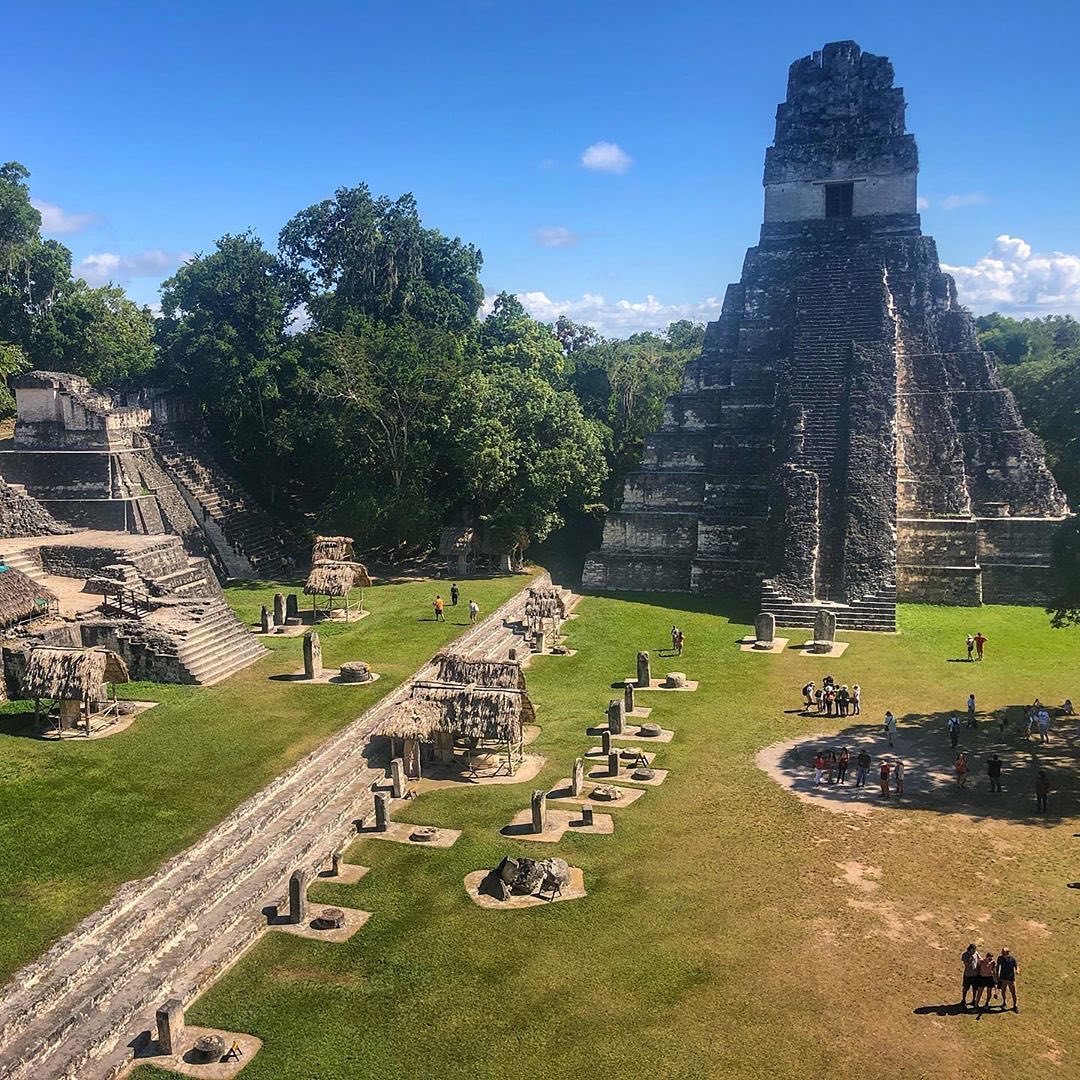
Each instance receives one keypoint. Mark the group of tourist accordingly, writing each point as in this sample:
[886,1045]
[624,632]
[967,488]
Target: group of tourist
[677,640]
[975,643]
[986,975]
[831,699]
[438,605]
[832,768]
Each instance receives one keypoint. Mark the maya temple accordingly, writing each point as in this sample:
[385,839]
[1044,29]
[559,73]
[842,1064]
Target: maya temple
[842,440]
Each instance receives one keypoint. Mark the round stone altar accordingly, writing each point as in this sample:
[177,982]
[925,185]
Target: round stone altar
[209,1048]
[355,671]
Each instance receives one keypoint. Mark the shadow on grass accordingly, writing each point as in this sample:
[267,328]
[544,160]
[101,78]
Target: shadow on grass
[922,744]
[732,608]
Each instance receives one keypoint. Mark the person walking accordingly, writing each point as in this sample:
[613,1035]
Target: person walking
[830,764]
[985,979]
[993,771]
[842,765]
[898,776]
[970,646]
[454,594]
[1042,791]
[474,610]
[437,606]
[820,698]
[862,763]
[674,638]
[1043,718]
[808,696]
[890,727]
[971,710]
[954,730]
[980,644]
[856,700]
[680,638]
[884,778]
[961,768]
[1007,969]
[819,768]
[970,959]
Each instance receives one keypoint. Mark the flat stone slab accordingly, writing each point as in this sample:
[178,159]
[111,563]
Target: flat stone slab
[438,777]
[777,645]
[331,676]
[558,823]
[488,898]
[561,792]
[400,832]
[354,919]
[348,874]
[598,752]
[101,728]
[601,776]
[658,684]
[632,732]
[837,648]
[249,1045]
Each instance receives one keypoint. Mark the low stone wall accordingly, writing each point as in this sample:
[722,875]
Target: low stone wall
[959,586]
[615,571]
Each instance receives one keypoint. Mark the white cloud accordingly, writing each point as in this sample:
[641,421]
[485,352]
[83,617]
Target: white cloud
[60,222]
[606,157]
[970,198]
[1012,277]
[556,236]
[922,203]
[106,266]
[299,320]
[614,318]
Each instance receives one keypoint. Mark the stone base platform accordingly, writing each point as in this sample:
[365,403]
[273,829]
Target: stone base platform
[330,676]
[598,752]
[603,776]
[658,684]
[777,645]
[837,648]
[561,792]
[150,1054]
[348,874]
[558,823]
[482,892]
[401,832]
[354,919]
[632,732]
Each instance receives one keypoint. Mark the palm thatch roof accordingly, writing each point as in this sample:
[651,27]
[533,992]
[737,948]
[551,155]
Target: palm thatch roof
[502,674]
[334,548]
[464,711]
[71,674]
[336,578]
[455,539]
[21,596]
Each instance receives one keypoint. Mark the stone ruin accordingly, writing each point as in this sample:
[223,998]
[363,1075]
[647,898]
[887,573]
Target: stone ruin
[842,437]
[526,877]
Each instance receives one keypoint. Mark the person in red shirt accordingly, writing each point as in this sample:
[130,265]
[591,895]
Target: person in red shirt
[980,641]
[819,767]
[884,779]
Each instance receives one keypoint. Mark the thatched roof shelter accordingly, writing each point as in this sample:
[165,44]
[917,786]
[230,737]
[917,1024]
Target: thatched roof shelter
[21,597]
[65,674]
[455,539]
[334,548]
[464,711]
[336,578]
[502,674]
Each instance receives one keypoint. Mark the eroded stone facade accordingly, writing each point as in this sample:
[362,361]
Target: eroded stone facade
[841,436]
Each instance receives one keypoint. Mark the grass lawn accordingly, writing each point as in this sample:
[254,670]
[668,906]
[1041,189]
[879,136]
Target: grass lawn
[730,929]
[79,818]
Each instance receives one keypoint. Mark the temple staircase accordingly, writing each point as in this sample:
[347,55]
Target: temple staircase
[876,611]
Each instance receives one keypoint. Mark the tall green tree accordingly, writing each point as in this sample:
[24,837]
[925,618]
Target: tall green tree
[361,255]
[511,338]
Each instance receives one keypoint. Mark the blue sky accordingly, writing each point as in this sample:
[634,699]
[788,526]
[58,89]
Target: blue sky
[150,129]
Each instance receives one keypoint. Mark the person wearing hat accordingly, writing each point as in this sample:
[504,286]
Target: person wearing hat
[1007,970]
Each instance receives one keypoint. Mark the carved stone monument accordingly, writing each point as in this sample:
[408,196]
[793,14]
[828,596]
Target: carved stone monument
[382,811]
[170,1027]
[628,696]
[539,811]
[313,668]
[605,742]
[292,606]
[577,780]
[644,670]
[615,714]
[397,778]
[298,883]
[613,763]
[279,609]
[336,857]
[265,622]
[825,626]
[764,630]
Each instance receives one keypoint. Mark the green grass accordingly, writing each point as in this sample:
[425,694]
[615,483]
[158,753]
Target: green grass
[79,818]
[719,938]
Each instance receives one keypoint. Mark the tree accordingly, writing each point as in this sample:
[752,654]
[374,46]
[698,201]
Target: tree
[526,453]
[224,339]
[359,255]
[1064,606]
[511,338]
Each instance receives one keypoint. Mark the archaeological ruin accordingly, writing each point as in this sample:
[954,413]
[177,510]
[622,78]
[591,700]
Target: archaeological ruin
[842,440]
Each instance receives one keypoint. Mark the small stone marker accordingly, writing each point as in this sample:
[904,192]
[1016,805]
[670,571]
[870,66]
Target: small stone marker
[539,641]
[336,857]
[292,607]
[613,763]
[298,882]
[279,609]
[577,781]
[605,741]
[764,629]
[512,654]
[615,716]
[644,671]
[675,680]
[397,778]
[586,815]
[264,620]
[170,1027]
[312,655]
[382,811]
[539,811]
[824,625]
[628,696]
